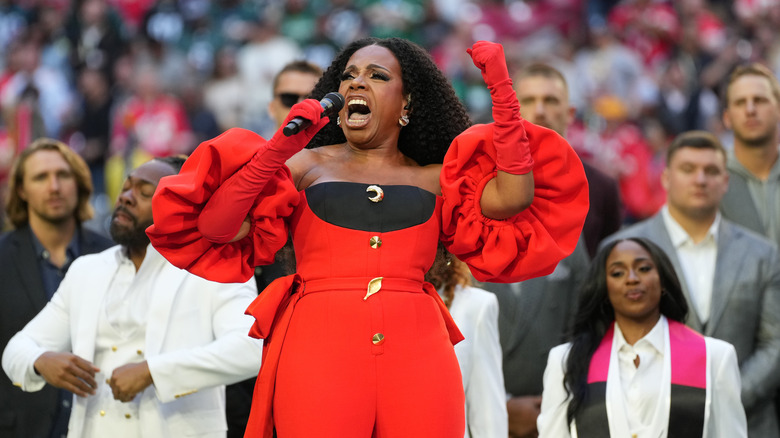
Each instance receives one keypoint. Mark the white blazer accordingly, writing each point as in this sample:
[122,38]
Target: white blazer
[724,415]
[196,342]
[475,311]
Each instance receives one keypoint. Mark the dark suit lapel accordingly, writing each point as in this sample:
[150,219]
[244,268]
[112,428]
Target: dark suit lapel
[515,305]
[658,228]
[726,267]
[528,301]
[27,266]
[522,304]
[507,311]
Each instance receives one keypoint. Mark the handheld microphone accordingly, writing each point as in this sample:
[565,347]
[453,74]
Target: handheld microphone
[332,103]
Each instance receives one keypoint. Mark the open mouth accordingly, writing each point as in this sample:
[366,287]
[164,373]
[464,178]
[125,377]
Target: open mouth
[358,113]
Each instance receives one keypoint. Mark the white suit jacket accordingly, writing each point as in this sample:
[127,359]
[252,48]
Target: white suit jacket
[196,342]
[724,415]
[475,311]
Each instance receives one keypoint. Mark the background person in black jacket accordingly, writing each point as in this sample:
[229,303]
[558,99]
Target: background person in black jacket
[48,200]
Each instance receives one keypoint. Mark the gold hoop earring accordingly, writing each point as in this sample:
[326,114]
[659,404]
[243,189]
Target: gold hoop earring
[404,120]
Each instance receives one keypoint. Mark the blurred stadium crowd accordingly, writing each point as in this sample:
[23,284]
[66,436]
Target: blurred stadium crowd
[122,80]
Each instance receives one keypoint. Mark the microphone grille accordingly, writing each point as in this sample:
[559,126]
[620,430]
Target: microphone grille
[337,100]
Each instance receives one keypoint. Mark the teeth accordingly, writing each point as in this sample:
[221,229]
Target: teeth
[357,102]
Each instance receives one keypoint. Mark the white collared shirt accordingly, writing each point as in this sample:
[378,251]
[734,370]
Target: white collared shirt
[120,340]
[723,391]
[640,385]
[697,261]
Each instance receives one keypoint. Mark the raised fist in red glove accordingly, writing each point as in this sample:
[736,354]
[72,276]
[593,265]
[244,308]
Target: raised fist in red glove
[509,138]
[489,58]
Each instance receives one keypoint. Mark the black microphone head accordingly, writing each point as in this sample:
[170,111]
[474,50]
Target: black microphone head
[333,102]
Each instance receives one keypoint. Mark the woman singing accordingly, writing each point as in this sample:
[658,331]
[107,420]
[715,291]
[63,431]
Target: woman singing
[357,344]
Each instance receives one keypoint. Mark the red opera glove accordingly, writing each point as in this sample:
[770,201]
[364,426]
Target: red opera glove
[512,150]
[227,208]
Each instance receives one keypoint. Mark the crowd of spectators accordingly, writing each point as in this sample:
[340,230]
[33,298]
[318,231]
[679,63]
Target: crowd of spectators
[123,80]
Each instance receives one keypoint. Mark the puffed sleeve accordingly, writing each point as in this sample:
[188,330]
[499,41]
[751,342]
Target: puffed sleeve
[180,198]
[531,243]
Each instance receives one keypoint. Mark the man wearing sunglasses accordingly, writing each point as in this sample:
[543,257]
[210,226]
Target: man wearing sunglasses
[291,85]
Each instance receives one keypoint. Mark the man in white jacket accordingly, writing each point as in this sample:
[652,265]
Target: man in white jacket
[145,347]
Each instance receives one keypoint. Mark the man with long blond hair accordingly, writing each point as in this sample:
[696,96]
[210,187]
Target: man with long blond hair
[47,201]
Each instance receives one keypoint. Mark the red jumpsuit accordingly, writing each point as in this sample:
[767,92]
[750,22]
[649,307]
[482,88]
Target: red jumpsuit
[356,344]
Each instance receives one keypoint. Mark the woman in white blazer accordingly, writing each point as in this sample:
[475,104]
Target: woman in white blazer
[475,311]
[632,368]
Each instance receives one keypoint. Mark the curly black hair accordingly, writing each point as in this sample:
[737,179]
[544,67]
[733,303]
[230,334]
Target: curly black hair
[595,315]
[436,114]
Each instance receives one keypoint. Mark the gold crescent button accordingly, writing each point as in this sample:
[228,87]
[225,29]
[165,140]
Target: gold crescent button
[380,194]
[375,242]
[373,287]
[378,339]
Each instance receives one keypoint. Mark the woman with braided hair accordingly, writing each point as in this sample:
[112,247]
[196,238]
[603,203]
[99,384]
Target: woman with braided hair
[357,344]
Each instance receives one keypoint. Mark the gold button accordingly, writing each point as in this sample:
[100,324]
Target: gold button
[102,413]
[113,348]
[108,381]
[139,352]
[127,416]
[378,339]
[177,396]
[375,242]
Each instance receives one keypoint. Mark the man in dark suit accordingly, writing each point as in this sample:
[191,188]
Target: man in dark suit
[48,200]
[534,314]
[544,100]
[729,274]
[533,317]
